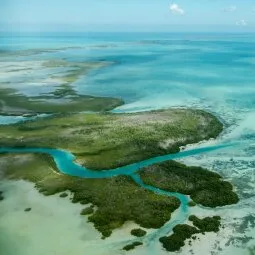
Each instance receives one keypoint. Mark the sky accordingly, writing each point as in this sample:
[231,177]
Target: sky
[128,15]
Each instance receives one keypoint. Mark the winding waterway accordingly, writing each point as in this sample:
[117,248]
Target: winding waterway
[66,164]
[65,161]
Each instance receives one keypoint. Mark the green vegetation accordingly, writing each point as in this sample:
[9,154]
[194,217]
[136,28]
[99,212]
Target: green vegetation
[132,246]
[204,187]
[251,250]
[28,209]
[1,195]
[105,140]
[208,224]
[138,232]
[64,194]
[117,200]
[63,100]
[192,203]
[76,69]
[183,232]
[87,211]
[177,239]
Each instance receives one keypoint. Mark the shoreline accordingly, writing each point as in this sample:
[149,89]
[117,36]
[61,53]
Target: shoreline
[105,234]
[65,217]
[162,134]
[76,230]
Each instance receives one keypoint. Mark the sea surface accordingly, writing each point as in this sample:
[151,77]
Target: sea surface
[214,72]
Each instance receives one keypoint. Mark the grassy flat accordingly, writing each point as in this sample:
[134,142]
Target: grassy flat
[64,98]
[104,141]
[77,69]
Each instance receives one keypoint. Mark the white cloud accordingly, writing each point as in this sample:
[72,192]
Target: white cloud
[231,8]
[176,9]
[241,23]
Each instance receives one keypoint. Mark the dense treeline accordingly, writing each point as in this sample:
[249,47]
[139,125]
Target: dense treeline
[177,239]
[204,187]
[183,232]
[132,246]
[138,232]
[1,195]
[208,224]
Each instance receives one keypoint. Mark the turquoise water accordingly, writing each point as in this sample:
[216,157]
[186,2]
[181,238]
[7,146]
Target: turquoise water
[150,71]
[181,216]
[5,120]
[214,72]
[65,161]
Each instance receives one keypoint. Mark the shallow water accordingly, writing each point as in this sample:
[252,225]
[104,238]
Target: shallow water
[65,161]
[214,72]
[6,120]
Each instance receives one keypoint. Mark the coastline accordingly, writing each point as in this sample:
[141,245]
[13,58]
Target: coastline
[155,116]
[80,234]
[108,140]
[52,220]
[69,231]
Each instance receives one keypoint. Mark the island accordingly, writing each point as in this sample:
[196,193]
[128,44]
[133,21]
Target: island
[63,98]
[204,187]
[1,195]
[184,232]
[105,142]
